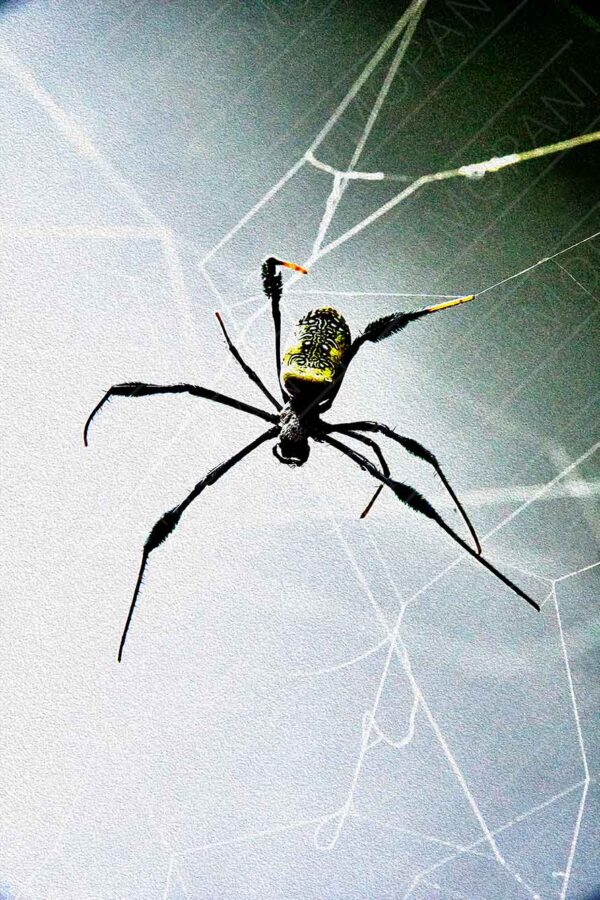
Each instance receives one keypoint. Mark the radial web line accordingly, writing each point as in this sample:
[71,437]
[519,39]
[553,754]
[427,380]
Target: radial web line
[346,664]
[252,836]
[340,183]
[373,603]
[458,68]
[336,115]
[540,262]
[381,176]
[502,524]
[556,351]
[403,294]
[471,170]
[423,836]
[578,572]
[301,824]
[578,283]
[84,146]
[584,783]
[399,648]
[573,847]
[352,175]
[510,824]
[556,249]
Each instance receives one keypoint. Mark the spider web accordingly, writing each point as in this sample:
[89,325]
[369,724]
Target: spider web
[393,647]
[394,650]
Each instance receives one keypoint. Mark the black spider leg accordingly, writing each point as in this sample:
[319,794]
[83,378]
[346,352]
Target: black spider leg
[384,466]
[375,331]
[418,503]
[249,372]
[382,328]
[273,288]
[415,449]
[139,389]
[166,524]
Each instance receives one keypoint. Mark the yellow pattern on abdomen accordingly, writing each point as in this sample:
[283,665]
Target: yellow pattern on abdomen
[316,351]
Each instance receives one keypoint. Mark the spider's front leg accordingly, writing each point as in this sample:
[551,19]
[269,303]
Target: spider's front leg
[273,288]
[167,523]
[394,322]
[374,332]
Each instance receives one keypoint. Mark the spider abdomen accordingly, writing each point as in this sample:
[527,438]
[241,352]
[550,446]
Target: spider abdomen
[316,352]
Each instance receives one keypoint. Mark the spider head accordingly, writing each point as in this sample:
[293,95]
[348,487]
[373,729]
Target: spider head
[292,447]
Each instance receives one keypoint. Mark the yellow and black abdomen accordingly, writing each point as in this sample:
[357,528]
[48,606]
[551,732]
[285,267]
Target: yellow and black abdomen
[316,352]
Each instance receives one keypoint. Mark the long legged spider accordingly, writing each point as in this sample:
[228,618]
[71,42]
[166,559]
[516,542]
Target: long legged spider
[310,373]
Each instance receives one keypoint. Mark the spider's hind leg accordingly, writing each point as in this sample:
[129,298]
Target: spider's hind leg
[416,449]
[413,499]
[382,462]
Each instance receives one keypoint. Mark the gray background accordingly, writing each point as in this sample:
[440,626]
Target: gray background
[227,756]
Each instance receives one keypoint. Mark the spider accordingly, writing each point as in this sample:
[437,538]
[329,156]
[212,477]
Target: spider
[310,373]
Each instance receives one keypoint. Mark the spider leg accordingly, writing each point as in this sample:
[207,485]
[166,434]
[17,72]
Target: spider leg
[382,328]
[378,330]
[384,467]
[273,288]
[375,331]
[139,389]
[418,503]
[249,372]
[417,450]
[167,523]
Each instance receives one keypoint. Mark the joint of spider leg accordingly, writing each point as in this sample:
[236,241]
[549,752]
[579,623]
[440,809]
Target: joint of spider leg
[272,262]
[162,529]
[272,279]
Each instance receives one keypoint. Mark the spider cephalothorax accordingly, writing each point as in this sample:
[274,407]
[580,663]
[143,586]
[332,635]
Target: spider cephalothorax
[292,447]
[310,374]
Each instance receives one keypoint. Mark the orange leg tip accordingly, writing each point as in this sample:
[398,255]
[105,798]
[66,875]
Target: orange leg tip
[294,267]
